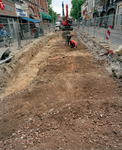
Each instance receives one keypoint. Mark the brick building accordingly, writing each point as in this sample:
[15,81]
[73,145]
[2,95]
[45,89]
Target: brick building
[34,10]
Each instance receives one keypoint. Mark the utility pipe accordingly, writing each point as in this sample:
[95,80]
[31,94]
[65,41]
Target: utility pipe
[3,61]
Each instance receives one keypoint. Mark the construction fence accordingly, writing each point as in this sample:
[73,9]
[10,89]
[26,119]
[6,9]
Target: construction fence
[107,29]
[18,36]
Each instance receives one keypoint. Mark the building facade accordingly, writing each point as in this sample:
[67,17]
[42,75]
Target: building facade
[12,11]
[84,10]
[109,11]
[96,5]
[91,5]
[118,16]
[8,17]
[34,8]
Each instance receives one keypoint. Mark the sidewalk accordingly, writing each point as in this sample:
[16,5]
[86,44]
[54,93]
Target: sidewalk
[104,29]
[14,47]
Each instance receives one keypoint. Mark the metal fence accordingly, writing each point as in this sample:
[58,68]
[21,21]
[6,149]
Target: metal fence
[106,29]
[22,34]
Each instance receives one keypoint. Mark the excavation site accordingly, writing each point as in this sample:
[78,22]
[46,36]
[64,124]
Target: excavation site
[54,97]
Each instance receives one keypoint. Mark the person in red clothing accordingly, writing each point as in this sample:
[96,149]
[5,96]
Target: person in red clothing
[73,44]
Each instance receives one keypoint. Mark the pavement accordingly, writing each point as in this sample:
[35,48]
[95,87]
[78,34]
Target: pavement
[14,48]
[100,33]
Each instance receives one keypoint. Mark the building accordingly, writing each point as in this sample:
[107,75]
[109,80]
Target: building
[97,3]
[109,10]
[19,11]
[8,17]
[59,18]
[91,5]
[84,10]
[34,9]
[118,17]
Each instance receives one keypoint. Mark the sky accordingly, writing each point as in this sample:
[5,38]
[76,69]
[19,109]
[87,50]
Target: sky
[57,6]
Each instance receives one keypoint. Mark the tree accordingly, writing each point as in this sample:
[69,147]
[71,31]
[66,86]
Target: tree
[52,13]
[76,8]
[49,2]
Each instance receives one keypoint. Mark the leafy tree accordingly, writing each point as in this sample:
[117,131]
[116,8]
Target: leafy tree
[52,13]
[76,8]
[49,2]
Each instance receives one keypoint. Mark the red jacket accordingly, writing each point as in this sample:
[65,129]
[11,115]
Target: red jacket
[73,42]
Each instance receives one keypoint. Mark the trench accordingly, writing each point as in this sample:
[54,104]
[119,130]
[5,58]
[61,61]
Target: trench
[53,76]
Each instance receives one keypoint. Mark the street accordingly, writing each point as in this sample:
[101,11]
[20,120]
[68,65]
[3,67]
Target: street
[100,33]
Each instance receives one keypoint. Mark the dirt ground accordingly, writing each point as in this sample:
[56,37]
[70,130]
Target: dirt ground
[63,100]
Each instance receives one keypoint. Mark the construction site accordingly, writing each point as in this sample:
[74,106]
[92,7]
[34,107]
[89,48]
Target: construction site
[54,97]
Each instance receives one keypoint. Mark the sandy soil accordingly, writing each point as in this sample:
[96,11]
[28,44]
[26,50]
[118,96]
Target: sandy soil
[64,99]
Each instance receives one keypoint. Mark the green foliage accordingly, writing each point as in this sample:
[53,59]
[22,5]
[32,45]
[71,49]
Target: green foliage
[76,8]
[49,3]
[52,13]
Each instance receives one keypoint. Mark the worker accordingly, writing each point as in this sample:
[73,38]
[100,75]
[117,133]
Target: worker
[73,44]
[68,38]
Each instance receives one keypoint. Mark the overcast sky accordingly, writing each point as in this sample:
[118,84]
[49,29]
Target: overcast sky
[57,5]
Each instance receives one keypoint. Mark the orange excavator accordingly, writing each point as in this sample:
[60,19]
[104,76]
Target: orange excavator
[67,24]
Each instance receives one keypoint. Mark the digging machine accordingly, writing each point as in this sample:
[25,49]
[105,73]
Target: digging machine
[67,24]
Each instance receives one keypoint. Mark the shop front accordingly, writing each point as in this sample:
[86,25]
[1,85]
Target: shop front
[8,18]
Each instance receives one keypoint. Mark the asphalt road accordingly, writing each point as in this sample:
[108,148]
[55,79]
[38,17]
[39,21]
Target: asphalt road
[115,38]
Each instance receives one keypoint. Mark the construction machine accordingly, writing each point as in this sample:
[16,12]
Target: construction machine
[67,24]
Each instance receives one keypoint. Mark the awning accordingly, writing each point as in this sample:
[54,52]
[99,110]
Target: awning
[46,16]
[31,20]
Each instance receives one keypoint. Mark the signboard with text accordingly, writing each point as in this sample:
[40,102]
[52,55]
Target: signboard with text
[2,5]
[20,12]
[100,8]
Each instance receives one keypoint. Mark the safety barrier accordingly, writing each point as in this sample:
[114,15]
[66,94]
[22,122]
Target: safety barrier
[107,29]
[18,36]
